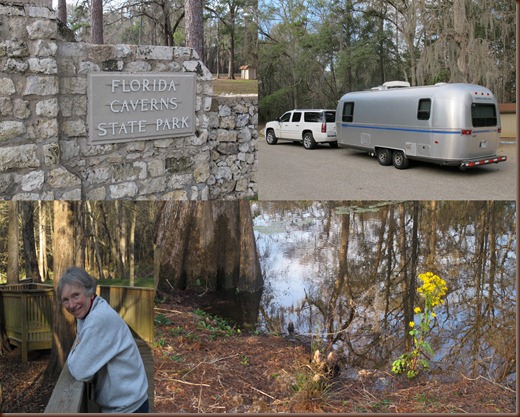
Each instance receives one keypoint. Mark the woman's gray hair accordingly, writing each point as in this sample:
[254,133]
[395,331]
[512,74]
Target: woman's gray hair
[77,277]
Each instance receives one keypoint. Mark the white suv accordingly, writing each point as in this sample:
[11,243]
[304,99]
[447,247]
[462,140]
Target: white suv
[308,126]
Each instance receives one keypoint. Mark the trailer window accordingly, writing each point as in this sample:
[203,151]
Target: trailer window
[312,117]
[423,111]
[296,117]
[483,115]
[348,112]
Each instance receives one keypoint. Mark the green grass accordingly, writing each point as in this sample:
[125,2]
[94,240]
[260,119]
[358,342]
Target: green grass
[238,86]
[146,282]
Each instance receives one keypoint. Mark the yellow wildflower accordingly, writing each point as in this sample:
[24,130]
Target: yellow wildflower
[411,324]
[417,310]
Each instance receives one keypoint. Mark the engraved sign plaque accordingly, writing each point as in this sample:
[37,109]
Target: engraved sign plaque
[127,107]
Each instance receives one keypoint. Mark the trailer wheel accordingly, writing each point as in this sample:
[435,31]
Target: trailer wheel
[308,141]
[271,138]
[384,156]
[400,160]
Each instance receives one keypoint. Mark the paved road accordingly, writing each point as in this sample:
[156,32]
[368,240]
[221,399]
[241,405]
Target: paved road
[287,171]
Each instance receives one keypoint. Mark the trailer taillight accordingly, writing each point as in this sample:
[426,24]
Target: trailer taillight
[324,128]
[466,132]
[499,130]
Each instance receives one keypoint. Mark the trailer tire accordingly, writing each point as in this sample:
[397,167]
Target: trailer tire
[384,156]
[270,137]
[400,160]
[308,141]
[333,144]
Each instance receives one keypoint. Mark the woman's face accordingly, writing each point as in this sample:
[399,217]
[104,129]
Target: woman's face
[75,300]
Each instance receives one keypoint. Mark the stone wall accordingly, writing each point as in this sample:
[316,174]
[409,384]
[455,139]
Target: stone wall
[45,152]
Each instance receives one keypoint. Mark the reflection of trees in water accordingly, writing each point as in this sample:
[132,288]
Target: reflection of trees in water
[360,278]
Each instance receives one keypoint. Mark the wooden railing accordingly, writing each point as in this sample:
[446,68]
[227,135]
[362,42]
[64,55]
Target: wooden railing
[72,396]
[28,316]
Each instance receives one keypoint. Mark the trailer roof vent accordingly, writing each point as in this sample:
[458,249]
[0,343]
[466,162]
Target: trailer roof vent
[396,84]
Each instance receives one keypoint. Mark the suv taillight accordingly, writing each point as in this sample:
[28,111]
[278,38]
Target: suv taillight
[324,128]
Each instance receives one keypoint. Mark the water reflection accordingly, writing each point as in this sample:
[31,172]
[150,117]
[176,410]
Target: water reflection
[346,273]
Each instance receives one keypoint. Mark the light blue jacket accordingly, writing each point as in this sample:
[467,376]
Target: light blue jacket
[105,349]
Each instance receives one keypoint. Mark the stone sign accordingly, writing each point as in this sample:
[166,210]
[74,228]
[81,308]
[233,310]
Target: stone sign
[127,107]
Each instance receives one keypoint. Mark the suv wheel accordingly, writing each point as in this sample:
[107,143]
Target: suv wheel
[271,138]
[308,141]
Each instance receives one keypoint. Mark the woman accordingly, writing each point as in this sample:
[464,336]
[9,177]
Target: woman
[104,349]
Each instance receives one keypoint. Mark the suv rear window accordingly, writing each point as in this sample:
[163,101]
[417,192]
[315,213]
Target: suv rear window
[483,115]
[313,117]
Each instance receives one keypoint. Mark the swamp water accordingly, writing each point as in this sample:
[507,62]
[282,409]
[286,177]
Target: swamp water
[344,272]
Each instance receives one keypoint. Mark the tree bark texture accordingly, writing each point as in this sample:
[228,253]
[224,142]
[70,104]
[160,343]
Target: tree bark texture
[64,324]
[206,244]
[29,243]
[13,244]
[194,22]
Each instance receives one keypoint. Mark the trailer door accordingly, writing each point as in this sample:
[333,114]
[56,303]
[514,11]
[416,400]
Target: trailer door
[484,137]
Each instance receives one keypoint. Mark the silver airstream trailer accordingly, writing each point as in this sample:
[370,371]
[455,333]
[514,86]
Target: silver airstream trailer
[448,124]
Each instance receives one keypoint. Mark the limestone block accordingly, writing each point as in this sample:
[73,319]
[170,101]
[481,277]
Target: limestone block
[43,65]
[42,29]
[153,185]
[199,68]
[47,108]
[51,154]
[156,168]
[46,129]
[137,66]
[16,49]
[44,12]
[30,182]
[123,190]
[70,195]
[123,51]
[88,66]
[44,48]
[74,128]
[96,194]
[224,135]
[6,181]
[61,178]
[7,87]
[242,185]
[224,111]
[22,156]
[16,65]
[154,52]
[6,106]
[244,135]
[242,120]
[201,172]
[11,129]
[41,85]
[10,11]
[74,85]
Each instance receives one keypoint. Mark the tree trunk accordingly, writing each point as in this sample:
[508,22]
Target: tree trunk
[29,244]
[63,323]
[194,23]
[97,22]
[62,11]
[13,268]
[209,246]
[42,232]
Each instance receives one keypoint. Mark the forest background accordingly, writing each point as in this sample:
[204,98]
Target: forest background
[311,52]
[228,27]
